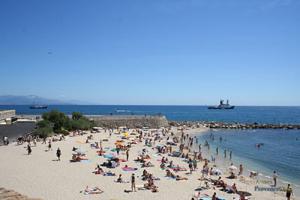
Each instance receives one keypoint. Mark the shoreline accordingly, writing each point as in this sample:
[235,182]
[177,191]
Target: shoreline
[264,173]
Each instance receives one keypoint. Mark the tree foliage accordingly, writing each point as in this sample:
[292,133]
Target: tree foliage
[76,115]
[58,122]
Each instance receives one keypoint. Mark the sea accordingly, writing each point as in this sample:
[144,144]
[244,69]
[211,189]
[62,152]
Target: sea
[244,114]
[280,152]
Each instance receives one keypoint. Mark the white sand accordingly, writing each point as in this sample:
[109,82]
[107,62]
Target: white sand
[37,175]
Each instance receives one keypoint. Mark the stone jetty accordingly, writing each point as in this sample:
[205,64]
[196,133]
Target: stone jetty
[225,125]
[130,121]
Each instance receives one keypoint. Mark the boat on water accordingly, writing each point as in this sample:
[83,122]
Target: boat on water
[122,111]
[38,107]
[222,105]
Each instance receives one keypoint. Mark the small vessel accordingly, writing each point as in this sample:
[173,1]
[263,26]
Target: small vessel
[122,111]
[38,107]
[222,105]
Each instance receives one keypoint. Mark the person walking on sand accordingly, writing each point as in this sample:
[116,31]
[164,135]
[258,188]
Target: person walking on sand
[133,183]
[58,154]
[29,149]
[275,178]
[127,154]
[289,192]
[49,146]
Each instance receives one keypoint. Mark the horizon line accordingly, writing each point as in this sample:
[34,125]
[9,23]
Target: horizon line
[148,105]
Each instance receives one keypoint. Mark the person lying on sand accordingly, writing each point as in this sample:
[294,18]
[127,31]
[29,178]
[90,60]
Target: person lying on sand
[180,178]
[94,190]
[109,173]
[77,158]
[147,164]
[178,168]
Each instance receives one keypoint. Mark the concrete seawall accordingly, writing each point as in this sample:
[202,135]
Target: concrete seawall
[135,121]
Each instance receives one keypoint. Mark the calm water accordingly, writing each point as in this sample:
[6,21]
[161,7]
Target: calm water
[252,114]
[280,152]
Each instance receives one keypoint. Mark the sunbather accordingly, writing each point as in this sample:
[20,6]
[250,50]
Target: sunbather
[94,190]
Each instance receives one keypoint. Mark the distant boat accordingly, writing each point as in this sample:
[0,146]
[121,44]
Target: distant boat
[38,107]
[222,105]
[122,111]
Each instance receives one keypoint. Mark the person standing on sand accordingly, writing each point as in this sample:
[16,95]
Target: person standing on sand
[58,154]
[49,146]
[127,154]
[275,178]
[133,183]
[289,192]
[241,170]
[214,197]
[28,149]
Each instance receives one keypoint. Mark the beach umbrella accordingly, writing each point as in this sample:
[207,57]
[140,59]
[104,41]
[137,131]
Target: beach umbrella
[216,171]
[80,151]
[232,167]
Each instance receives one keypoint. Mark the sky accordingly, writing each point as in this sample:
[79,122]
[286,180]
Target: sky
[152,52]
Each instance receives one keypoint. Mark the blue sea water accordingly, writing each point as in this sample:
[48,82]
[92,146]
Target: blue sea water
[280,152]
[251,114]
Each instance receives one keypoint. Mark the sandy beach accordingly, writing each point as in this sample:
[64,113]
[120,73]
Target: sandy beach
[40,175]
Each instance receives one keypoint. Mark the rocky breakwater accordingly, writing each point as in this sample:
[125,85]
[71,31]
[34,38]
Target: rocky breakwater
[225,125]
[130,121]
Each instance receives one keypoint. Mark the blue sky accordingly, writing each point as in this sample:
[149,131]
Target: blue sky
[182,52]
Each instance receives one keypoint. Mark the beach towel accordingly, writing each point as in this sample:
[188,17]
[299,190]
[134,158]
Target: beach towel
[176,169]
[205,198]
[85,161]
[109,174]
[109,156]
[129,169]
[113,150]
